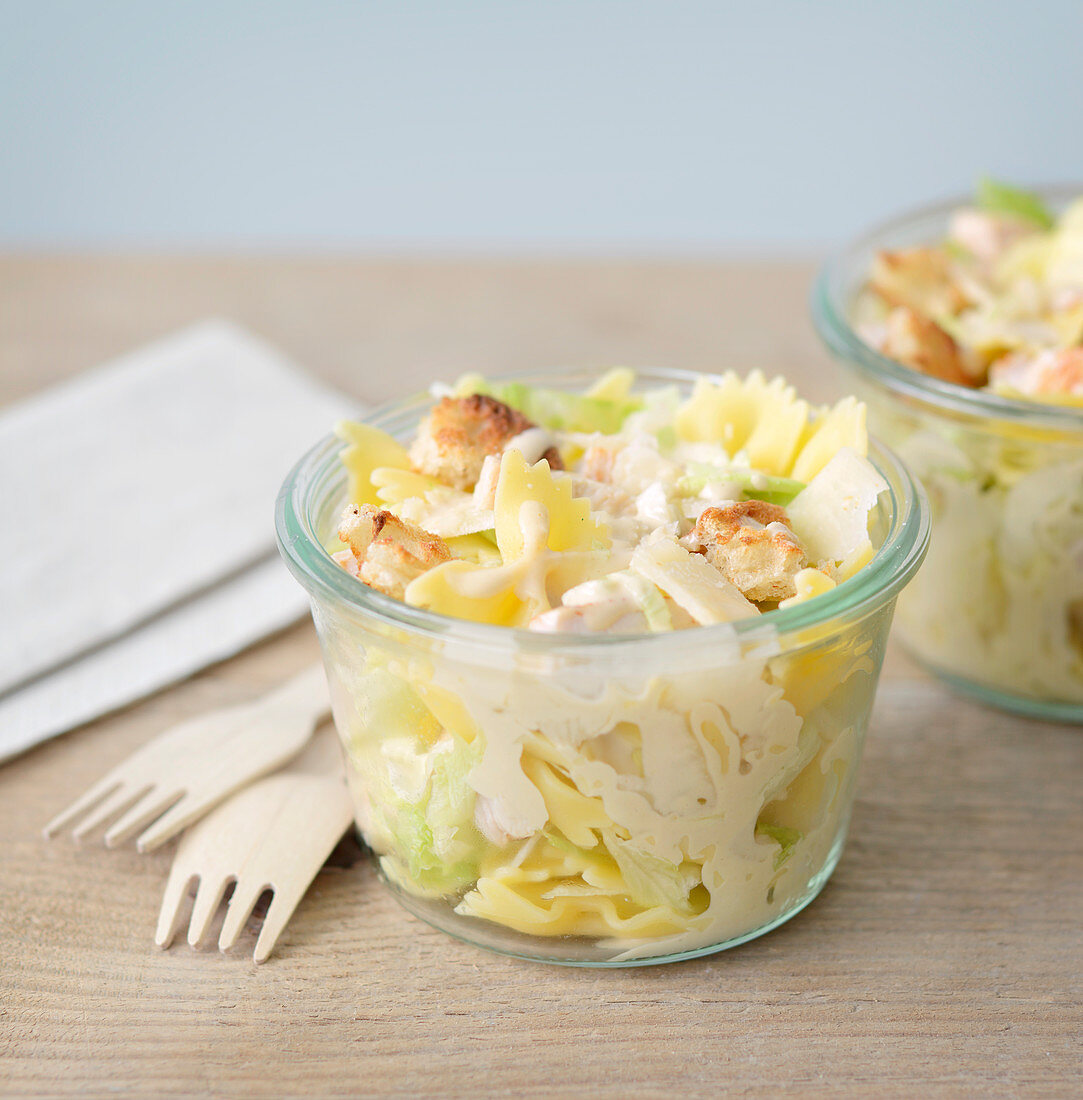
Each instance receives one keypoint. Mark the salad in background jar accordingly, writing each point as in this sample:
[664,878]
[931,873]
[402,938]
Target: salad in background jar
[962,328]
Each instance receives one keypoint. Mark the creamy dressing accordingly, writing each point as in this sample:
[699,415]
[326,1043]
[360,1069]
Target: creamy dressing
[715,749]
[531,444]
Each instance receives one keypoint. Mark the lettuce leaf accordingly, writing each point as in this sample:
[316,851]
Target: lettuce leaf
[421,807]
[1000,198]
[785,837]
[650,880]
[555,408]
[754,485]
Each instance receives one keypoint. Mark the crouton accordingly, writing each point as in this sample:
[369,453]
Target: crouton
[750,543]
[456,436]
[922,344]
[388,552]
[920,278]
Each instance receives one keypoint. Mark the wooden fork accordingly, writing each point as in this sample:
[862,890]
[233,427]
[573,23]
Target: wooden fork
[179,776]
[274,835]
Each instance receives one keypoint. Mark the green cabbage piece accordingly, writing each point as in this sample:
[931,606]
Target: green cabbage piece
[667,437]
[436,845]
[785,837]
[421,807]
[554,408]
[755,486]
[999,198]
[650,880]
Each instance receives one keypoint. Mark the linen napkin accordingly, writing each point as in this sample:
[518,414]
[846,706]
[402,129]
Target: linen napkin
[136,539]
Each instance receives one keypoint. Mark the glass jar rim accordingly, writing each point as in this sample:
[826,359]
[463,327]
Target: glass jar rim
[831,297]
[893,564]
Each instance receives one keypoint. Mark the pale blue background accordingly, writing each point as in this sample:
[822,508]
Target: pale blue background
[583,125]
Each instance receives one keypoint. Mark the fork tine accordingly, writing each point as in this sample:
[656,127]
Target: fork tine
[120,799]
[208,898]
[151,806]
[278,914]
[240,909]
[102,789]
[169,916]
[176,817]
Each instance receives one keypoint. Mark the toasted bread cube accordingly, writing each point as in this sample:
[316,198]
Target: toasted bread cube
[922,344]
[750,543]
[455,438]
[920,278]
[388,553]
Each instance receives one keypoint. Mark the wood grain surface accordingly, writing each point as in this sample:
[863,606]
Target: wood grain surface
[945,958]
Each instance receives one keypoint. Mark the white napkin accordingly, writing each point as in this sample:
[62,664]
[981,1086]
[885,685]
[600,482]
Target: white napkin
[136,538]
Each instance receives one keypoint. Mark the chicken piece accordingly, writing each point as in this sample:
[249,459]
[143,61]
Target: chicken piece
[920,278]
[456,436]
[597,463]
[1055,371]
[750,543]
[388,552]
[922,344]
[987,236]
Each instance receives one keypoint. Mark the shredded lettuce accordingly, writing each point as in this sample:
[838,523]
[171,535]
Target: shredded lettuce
[421,806]
[999,198]
[556,409]
[650,880]
[754,485]
[785,837]
[435,842]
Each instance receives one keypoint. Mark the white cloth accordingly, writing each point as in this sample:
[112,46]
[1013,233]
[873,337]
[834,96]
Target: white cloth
[136,523]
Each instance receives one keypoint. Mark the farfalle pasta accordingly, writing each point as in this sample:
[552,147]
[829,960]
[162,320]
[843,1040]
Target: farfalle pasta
[550,768]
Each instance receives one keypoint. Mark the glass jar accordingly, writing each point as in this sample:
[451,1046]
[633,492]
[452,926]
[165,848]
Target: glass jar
[997,610]
[675,794]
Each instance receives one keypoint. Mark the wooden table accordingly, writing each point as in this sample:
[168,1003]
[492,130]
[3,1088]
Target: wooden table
[944,958]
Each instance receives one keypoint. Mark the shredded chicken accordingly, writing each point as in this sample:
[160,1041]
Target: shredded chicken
[455,438]
[597,462]
[388,553]
[750,543]
[987,236]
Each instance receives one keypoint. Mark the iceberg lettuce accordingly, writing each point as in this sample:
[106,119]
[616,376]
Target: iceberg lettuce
[555,409]
[999,198]
[754,485]
[785,837]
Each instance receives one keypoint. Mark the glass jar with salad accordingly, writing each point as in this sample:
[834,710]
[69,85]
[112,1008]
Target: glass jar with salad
[603,648]
[961,326]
